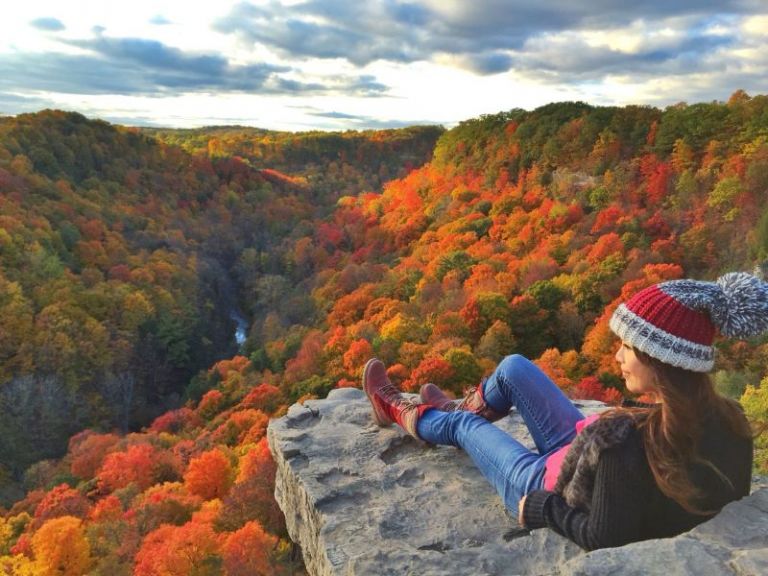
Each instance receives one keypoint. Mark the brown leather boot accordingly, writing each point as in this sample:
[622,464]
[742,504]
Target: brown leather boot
[472,402]
[388,404]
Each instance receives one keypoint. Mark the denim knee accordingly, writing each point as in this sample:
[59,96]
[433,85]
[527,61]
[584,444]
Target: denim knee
[513,363]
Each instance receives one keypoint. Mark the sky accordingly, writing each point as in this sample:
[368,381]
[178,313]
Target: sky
[358,64]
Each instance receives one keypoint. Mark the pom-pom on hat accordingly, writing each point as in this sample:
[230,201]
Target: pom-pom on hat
[676,321]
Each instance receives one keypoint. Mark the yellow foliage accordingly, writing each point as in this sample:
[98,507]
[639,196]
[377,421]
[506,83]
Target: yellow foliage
[19,565]
[755,403]
[60,548]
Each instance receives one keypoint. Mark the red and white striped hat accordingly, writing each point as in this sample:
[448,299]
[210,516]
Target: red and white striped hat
[676,321]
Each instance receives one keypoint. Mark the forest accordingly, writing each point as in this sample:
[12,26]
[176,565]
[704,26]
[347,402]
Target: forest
[133,431]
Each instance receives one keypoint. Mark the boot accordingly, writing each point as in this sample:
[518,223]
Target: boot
[472,402]
[388,404]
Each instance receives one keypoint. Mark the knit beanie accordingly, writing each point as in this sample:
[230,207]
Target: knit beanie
[676,321]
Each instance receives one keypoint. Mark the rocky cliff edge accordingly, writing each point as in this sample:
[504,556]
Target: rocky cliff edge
[364,500]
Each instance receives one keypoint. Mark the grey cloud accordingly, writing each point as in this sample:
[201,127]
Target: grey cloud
[130,68]
[360,32]
[15,104]
[574,60]
[337,115]
[358,122]
[490,63]
[489,36]
[48,24]
[148,67]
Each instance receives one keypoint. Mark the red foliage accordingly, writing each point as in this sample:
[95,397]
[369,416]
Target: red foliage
[431,369]
[345,383]
[590,388]
[176,421]
[472,317]
[61,501]
[606,219]
[108,508]
[87,451]
[120,272]
[23,546]
[265,397]
[136,464]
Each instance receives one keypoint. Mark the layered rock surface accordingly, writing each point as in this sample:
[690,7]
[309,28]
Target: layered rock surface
[363,500]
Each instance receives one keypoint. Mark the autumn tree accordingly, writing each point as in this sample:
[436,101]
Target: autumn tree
[61,548]
[248,552]
[193,548]
[209,475]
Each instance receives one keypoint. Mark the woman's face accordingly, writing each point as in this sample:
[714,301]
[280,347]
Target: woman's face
[639,377]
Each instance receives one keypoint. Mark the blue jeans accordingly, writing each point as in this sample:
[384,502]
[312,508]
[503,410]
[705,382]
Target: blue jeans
[510,467]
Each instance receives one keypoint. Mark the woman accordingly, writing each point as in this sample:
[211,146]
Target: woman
[637,472]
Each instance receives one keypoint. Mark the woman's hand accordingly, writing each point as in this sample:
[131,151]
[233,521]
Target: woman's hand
[520,508]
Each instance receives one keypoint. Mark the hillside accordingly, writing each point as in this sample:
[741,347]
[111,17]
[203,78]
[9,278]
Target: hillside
[126,265]
[124,254]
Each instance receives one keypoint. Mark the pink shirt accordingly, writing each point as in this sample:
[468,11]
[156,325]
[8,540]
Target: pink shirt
[555,460]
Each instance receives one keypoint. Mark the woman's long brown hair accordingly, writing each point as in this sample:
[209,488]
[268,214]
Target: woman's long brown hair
[671,429]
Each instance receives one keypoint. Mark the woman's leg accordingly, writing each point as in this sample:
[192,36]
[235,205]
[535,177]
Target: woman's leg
[510,467]
[549,415]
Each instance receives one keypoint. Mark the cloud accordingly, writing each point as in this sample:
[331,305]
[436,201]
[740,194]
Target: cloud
[359,122]
[48,24]
[11,103]
[570,57]
[159,20]
[147,67]
[485,36]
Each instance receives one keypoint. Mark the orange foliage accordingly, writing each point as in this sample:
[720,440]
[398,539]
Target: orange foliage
[606,245]
[210,404]
[551,363]
[241,427]
[236,364]
[252,495]
[357,355]
[209,475]
[350,308]
[247,552]
[177,550]
[607,219]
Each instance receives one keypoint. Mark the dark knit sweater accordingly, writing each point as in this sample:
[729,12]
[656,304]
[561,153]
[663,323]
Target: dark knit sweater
[627,505]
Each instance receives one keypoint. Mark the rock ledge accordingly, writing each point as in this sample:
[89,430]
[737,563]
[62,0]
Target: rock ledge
[362,500]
